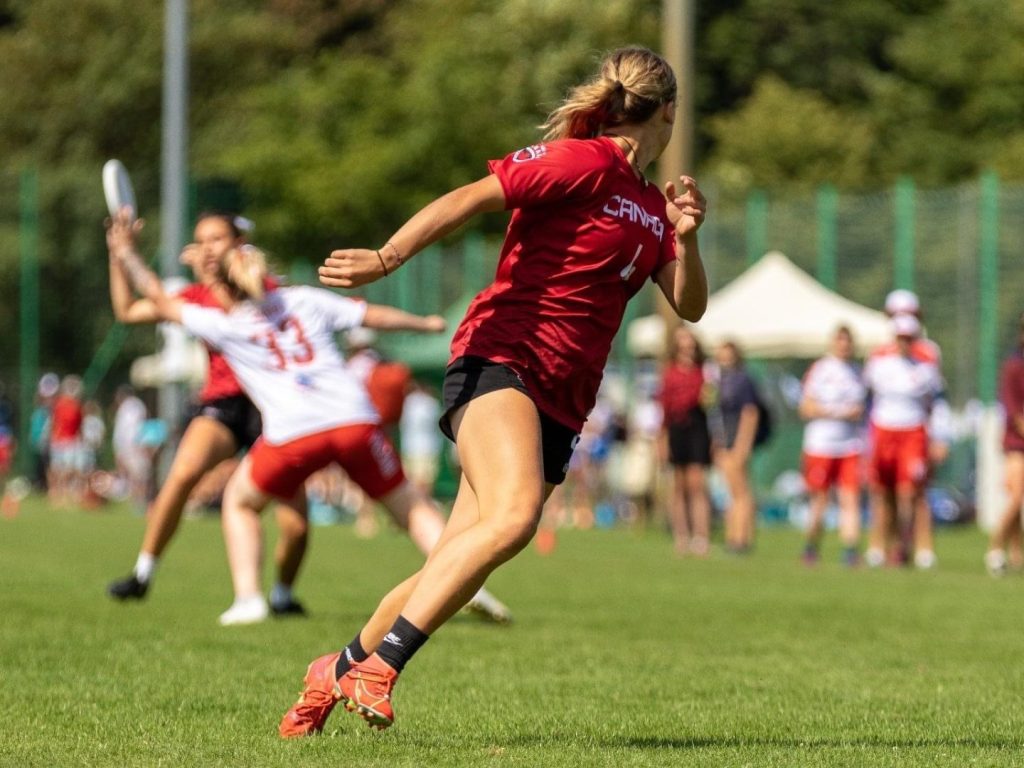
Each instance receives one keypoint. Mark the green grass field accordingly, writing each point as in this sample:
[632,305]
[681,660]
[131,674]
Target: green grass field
[620,655]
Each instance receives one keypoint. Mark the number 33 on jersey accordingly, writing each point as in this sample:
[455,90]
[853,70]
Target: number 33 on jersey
[284,355]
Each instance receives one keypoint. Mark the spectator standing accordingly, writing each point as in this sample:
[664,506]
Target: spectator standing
[130,459]
[738,419]
[6,410]
[420,438]
[1011,397]
[686,444]
[39,430]
[66,441]
[94,432]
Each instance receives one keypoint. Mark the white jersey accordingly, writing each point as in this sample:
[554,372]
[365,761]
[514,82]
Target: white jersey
[127,425]
[836,386]
[418,425]
[283,353]
[904,389]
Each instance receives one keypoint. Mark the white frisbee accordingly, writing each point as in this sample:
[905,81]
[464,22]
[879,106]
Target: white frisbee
[117,188]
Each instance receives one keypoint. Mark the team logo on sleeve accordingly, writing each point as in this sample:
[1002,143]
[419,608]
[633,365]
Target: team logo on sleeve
[529,153]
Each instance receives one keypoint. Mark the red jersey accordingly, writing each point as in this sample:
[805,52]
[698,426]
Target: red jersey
[680,392]
[65,420]
[220,379]
[1011,397]
[584,237]
[922,350]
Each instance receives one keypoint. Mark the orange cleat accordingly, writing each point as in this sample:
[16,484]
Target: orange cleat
[366,690]
[308,715]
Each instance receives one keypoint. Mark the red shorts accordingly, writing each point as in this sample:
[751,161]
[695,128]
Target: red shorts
[362,450]
[824,472]
[899,458]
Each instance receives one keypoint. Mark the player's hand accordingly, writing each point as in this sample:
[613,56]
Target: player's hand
[434,324]
[685,207]
[122,232]
[191,255]
[351,268]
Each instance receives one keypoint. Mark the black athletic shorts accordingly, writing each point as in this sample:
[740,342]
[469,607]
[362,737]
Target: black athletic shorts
[469,377]
[237,413]
[690,441]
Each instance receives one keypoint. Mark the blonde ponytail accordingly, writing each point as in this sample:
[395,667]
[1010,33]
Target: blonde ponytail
[246,271]
[632,83]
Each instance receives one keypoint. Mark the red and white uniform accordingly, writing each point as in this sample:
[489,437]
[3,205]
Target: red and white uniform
[904,389]
[584,237]
[314,411]
[832,446]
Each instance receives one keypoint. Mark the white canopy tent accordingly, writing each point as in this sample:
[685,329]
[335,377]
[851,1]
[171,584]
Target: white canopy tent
[775,309]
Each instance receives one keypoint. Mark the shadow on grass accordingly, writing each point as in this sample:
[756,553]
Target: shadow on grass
[701,742]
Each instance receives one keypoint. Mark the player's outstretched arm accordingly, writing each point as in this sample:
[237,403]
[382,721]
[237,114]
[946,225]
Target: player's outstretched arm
[385,318]
[352,267]
[121,238]
[145,281]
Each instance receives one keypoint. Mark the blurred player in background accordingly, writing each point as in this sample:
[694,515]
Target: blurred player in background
[1011,397]
[587,232]
[938,429]
[904,387]
[39,429]
[833,404]
[66,442]
[130,459]
[223,422]
[421,442]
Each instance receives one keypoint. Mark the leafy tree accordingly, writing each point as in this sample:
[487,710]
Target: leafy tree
[783,135]
[343,148]
[954,103]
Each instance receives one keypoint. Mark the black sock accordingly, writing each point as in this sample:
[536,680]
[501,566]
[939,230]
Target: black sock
[401,643]
[351,654]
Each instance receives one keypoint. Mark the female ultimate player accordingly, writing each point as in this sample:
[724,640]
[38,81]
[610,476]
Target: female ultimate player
[280,343]
[833,403]
[904,387]
[587,231]
[223,423]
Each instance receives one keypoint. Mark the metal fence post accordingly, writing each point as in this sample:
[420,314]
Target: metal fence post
[903,244]
[28,358]
[988,287]
[757,225]
[828,223]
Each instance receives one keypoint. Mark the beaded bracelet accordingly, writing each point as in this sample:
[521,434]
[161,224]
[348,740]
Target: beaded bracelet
[397,254]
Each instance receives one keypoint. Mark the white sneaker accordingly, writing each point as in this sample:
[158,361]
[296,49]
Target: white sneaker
[996,563]
[487,606]
[874,558]
[925,560]
[245,610]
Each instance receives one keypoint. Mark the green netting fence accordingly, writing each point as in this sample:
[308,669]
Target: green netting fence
[955,246]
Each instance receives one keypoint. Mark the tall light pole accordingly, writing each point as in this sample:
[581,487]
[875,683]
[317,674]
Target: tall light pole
[677,25]
[173,175]
[677,42]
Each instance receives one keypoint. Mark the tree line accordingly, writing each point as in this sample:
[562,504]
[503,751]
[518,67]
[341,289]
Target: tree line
[331,122]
